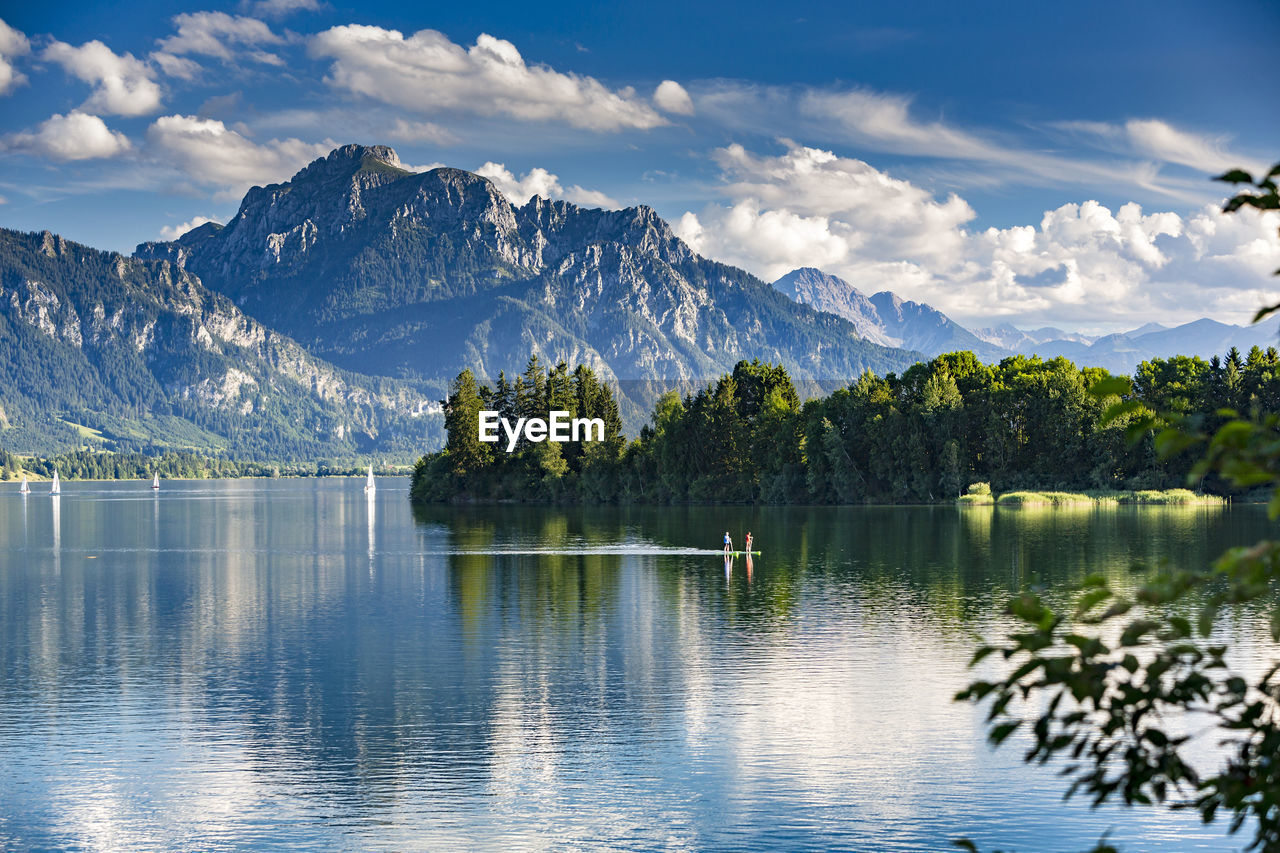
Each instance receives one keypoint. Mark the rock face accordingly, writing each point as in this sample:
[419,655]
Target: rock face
[885,318]
[419,275]
[145,354]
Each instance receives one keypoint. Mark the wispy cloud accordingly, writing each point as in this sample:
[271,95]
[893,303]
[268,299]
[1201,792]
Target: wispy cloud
[1112,157]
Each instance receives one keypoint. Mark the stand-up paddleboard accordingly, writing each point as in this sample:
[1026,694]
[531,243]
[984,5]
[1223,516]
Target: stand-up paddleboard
[740,553]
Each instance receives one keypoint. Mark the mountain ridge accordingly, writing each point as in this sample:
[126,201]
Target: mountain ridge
[422,274]
[921,327]
[134,354]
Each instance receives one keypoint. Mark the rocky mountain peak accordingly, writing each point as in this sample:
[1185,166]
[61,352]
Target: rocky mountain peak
[342,163]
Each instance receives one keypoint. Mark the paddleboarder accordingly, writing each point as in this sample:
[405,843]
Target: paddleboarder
[728,543]
[748,541]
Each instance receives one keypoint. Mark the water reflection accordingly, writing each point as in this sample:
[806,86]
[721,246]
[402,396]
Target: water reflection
[291,665]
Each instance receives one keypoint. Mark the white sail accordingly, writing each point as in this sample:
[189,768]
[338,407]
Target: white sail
[155,483]
[369,486]
[55,488]
[25,488]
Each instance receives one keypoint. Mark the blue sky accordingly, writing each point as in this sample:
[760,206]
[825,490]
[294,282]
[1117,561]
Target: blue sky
[1033,163]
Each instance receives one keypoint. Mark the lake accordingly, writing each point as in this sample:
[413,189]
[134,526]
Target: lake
[283,665]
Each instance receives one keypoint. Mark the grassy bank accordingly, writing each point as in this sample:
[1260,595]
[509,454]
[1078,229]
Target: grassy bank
[1161,497]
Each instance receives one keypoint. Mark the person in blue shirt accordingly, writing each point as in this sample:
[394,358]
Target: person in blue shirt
[728,542]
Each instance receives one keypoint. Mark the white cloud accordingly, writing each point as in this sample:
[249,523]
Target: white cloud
[1165,142]
[427,72]
[282,8]
[540,182]
[810,200]
[1082,263]
[12,45]
[176,66]
[210,154]
[421,131]
[885,120]
[74,136]
[221,36]
[671,97]
[123,85]
[890,123]
[173,232]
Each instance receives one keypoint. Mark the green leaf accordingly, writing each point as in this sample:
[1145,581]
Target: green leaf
[1235,176]
[1001,732]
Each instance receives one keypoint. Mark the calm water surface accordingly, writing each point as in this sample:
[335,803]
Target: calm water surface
[284,665]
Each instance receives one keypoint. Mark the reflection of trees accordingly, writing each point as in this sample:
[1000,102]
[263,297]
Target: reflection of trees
[262,612]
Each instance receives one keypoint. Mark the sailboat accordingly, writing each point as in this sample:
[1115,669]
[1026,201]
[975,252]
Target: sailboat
[155,483]
[55,488]
[369,486]
[25,488]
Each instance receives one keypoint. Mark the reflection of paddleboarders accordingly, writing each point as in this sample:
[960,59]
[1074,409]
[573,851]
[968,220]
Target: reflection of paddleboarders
[728,543]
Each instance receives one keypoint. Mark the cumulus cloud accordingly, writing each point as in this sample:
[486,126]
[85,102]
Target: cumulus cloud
[12,45]
[173,232]
[213,155]
[540,182]
[808,200]
[671,97]
[221,36]
[74,136]
[1080,263]
[122,85]
[427,72]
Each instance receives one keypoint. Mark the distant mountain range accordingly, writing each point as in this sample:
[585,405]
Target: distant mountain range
[891,321]
[325,320]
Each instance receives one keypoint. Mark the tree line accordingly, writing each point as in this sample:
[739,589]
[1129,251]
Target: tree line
[922,436]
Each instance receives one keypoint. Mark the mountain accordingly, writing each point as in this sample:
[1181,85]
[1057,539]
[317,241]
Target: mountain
[889,320]
[1009,337]
[1122,353]
[391,272]
[101,349]
[885,318]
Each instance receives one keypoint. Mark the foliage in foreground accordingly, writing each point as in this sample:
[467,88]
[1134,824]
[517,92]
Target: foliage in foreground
[1118,688]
